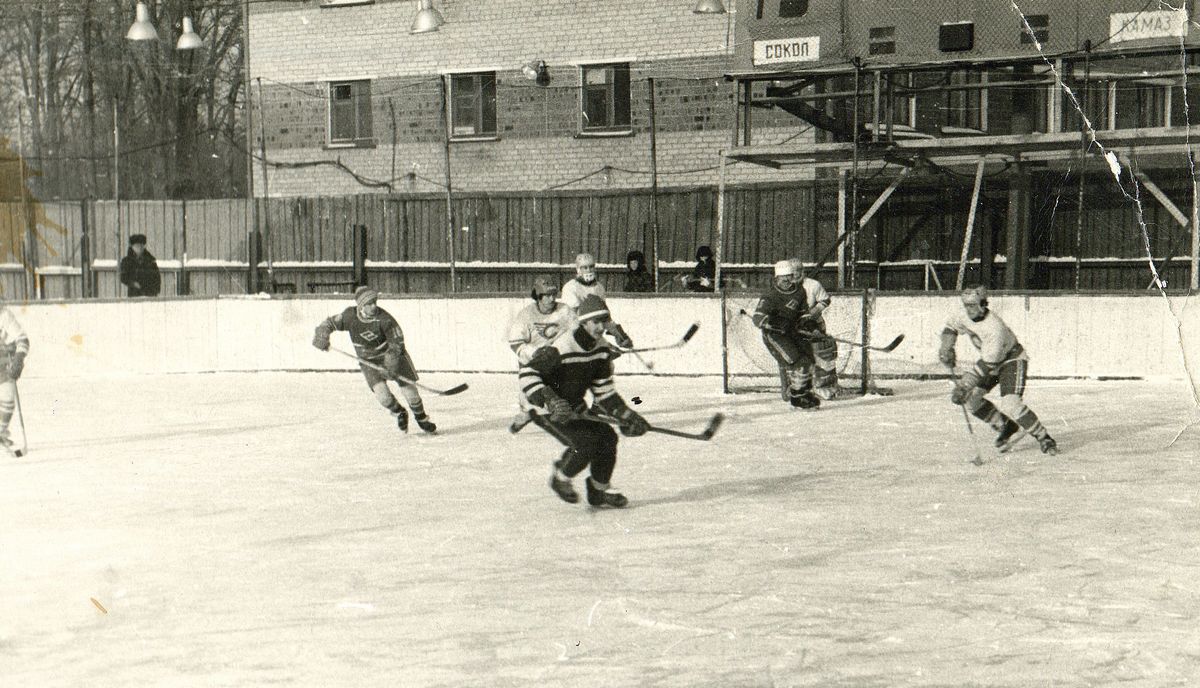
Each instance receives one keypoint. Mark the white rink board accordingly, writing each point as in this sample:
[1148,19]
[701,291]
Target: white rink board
[1071,336]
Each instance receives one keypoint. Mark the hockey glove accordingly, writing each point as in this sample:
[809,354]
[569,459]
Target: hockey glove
[767,326]
[15,365]
[393,360]
[947,357]
[321,336]
[559,411]
[545,359]
[623,340]
[632,423]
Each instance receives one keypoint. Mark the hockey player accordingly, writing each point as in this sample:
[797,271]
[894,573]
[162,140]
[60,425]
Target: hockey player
[14,347]
[535,326]
[1002,361]
[584,284]
[378,340]
[554,383]
[779,314]
[824,349]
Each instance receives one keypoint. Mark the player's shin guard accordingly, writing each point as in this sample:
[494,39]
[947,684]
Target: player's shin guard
[8,404]
[825,367]
[413,397]
[987,412]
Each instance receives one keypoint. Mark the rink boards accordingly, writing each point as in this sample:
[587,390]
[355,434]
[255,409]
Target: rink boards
[1102,335]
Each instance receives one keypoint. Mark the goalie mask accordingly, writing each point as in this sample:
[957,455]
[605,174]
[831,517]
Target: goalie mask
[787,276]
[585,267]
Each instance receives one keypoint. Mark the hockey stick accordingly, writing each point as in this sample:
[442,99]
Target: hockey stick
[21,420]
[705,435]
[458,389]
[687,337]
[820,335]
[978,458]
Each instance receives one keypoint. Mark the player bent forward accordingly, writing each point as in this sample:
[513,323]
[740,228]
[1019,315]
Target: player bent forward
[554,383]
[379,343]
[14,346]
[782,313]
[1002,361]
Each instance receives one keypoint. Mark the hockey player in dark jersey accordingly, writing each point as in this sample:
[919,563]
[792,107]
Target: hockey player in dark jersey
[378,340]
[553,386]
[781,313]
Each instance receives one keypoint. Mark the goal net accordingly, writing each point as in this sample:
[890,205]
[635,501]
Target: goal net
[852,316]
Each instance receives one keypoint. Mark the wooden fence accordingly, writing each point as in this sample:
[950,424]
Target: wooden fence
[502,240]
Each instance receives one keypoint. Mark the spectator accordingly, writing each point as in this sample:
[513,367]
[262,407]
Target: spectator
[704,275]
[14,346]
[636,277]
[139,269]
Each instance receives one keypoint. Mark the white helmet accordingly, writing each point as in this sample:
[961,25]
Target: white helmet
[585,267]
[786,267]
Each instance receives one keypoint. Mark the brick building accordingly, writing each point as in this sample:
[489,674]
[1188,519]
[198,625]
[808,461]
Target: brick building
[346,81]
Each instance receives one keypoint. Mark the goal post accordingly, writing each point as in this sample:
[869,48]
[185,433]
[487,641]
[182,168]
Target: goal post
[747,366]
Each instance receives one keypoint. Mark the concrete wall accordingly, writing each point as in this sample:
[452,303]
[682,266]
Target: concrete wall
[1074,336]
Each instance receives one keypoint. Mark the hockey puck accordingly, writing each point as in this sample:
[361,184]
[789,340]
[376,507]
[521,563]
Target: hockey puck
[18,453]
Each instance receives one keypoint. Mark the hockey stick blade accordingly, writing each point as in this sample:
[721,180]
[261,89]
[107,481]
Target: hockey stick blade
[687,337]
[457,389]
[891,347]
[713,424]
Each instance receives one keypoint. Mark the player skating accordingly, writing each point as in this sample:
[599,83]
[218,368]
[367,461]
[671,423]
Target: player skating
[586,284]
[780,313]
[14,347]
[535,326]
[379,343]
[1002,361]
[554,383]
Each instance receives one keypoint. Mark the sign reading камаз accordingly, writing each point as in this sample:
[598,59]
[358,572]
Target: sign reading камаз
[1133,26]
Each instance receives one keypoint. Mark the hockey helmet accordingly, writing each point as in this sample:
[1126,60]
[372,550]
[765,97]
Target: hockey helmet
[542,286]
[975,296]
[591,307]
[365,295]
[786,267]
[585,266]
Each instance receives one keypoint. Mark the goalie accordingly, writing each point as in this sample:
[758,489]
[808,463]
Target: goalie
[786,317]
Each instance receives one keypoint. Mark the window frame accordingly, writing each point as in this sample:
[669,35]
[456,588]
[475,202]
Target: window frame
[363,119]
[616,72]
[481,111]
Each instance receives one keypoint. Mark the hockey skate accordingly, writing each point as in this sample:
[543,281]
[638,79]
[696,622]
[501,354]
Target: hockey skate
[563,488]
[605,498]
[826,393]
[425,424]
[805,400]
[1049,446]
[1008,436]
[402,420]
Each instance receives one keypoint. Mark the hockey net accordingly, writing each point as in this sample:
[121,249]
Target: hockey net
[749,367]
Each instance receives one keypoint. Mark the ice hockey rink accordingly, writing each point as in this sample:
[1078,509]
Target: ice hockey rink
[249,529]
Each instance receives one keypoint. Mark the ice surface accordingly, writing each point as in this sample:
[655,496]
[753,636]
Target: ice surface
[274,528]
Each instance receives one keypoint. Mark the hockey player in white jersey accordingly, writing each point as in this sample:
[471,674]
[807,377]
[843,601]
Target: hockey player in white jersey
[585,284]
[535,326]
[824,349]
[1002,361]
[14,347]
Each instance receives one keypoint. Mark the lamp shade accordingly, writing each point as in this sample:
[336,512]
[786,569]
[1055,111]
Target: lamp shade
[189,39]
[142,29]
[427,19]
[709,7]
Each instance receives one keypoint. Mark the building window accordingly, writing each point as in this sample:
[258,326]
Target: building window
[790,9]
[473,105]
[882,40]
[605,96]
[350,113]
[1140,104]
[1040,24]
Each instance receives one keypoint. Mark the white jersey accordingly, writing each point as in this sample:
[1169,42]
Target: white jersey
[531,329]
[995,341]
[573,292]
[815,294]
[12,336]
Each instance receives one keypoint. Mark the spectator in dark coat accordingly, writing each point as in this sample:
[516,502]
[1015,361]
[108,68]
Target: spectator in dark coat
[139,269]
[637,279]
[704,275]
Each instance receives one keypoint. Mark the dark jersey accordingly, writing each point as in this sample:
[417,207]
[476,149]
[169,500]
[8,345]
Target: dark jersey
[783,310]
[371,338]
[584,365]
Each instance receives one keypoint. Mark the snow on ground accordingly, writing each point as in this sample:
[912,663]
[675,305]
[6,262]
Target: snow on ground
[274,528]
